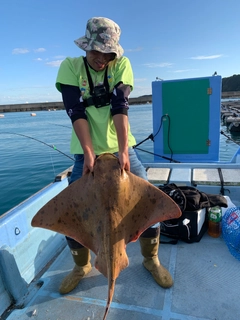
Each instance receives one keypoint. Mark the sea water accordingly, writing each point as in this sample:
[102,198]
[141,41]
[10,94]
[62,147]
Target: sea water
[34,149]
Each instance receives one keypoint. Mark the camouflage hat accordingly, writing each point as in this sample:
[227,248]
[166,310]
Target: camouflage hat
[102,34]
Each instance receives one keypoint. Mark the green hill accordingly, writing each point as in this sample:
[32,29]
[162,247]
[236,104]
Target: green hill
[231,83]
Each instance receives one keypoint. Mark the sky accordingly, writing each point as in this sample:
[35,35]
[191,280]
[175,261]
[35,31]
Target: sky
[164,39]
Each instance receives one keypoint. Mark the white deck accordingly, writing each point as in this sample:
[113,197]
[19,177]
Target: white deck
[195,176]
[206,276]
[206,286]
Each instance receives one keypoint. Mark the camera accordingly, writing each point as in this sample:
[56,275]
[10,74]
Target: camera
[100,96]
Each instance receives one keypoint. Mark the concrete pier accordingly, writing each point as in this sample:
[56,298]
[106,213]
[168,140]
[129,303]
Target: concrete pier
[40,106]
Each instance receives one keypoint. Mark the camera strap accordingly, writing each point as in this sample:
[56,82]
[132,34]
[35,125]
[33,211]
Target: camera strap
[90,101]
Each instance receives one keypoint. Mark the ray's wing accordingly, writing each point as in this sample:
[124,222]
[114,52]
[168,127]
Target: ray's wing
[104,212]
[72,212]
[141,206]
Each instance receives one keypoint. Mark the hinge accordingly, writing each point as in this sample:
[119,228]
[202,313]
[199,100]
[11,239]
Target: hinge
[208,142]
[209,91]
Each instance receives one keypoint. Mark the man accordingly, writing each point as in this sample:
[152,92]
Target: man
[95,91]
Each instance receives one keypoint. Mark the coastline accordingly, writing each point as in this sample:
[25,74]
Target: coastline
[58,105]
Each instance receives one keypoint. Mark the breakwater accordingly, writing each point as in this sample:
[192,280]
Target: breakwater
[230,94]
[45,106]
[40,106]
[52,106]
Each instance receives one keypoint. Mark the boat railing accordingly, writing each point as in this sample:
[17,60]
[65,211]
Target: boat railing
[25,251]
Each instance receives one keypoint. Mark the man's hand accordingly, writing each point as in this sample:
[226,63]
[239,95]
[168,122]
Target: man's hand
[89,161]
[124,160]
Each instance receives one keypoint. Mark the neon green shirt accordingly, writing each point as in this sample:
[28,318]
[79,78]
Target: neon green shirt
[103,133]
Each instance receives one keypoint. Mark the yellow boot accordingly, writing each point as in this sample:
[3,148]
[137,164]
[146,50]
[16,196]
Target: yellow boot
[149,249]
[82,267]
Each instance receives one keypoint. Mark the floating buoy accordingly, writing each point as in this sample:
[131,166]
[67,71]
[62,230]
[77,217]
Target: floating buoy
[33,114]
[1,115]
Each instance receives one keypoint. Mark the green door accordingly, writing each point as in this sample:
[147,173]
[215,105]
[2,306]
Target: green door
[186,128]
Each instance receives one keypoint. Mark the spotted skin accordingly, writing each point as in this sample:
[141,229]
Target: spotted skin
[104,211]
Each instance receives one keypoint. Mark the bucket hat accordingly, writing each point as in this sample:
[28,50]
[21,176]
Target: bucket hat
[102,34]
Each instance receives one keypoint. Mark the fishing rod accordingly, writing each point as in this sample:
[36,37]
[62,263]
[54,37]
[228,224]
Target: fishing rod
[229,137]
[46,144]
[158,155]
[152,136]
[60,125]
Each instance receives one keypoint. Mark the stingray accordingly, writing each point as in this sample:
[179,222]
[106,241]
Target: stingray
[104,210]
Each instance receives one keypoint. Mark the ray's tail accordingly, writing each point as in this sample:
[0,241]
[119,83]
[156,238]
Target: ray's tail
[111,286]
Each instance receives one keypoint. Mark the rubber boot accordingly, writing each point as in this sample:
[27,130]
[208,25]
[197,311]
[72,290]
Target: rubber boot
[149,249]
[82,267]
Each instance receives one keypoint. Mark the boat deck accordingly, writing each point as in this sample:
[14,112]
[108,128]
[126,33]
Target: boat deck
[206,286]
[206,276]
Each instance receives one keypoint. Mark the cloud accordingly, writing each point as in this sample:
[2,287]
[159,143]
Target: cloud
[216,56]
[55,63]
[20,51]
[38,59]
[141,90]
[183,70]
[39,50]
[158,65]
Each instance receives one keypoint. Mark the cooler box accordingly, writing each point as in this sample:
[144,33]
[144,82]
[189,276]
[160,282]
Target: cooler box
[190,227]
